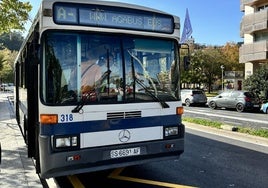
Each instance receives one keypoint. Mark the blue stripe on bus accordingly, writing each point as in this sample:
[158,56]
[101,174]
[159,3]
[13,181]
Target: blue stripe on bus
[104,125]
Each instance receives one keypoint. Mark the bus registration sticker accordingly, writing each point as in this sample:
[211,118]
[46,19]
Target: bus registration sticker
[125,152]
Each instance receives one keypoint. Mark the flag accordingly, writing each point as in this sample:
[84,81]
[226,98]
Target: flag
[187,28]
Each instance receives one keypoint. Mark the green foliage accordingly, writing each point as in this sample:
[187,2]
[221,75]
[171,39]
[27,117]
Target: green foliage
[7,59]
[206,65]
[2,60]
[258,82]
[231,57]
[8,51]
[255,132]
[204,122]
[11,41]
[13,15]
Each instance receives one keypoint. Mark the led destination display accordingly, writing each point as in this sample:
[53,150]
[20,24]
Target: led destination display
[112,17]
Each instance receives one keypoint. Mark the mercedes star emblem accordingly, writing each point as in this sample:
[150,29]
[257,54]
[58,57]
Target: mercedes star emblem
[124,135]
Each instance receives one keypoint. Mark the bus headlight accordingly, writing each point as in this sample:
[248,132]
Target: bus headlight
[65,142]
[171,131]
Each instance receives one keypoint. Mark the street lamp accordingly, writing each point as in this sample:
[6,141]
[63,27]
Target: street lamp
[222,69]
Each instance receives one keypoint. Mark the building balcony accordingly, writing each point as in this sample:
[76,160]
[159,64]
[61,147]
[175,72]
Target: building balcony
[254,22]
[249,3]
[255,52]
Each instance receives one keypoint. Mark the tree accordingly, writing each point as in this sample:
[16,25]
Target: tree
[7,59]
[212,62]
[11,41]
[206,64]
[231,57]
[13,15]
[194,77]
[205,67]
[258,82]
[2,60]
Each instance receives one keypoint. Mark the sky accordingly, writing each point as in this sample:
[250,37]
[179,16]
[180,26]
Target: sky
[214,22]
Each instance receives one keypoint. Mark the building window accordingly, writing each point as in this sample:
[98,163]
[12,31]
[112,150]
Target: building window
[263,7]
[260,36]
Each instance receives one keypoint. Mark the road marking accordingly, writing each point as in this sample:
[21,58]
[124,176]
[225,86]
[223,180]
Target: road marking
[232,123]
[116,175]
[230,117]
[75,181]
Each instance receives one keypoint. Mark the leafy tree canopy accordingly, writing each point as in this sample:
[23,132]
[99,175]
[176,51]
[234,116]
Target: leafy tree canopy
[258,82]
[7,59]
[2,60]
[11,41]
[206,65]
[13,15]
[231,57]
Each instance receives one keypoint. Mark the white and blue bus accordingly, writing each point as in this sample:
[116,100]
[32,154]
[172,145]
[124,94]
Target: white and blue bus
[97,87]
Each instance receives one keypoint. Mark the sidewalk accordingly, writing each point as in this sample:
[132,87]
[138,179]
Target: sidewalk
[16,169]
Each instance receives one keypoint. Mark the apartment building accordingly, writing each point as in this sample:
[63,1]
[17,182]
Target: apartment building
[254,30]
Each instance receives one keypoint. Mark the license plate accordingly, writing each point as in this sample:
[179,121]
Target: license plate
[256,105]
[125,152]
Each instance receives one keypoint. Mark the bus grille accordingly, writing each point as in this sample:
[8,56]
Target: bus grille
[123,115]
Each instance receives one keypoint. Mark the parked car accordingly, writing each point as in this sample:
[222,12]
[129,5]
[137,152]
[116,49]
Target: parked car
[193,96]
[3,87]
[239,100]
[264,107]
[7,87]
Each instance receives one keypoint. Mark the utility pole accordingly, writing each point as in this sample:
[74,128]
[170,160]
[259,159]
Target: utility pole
[222,69]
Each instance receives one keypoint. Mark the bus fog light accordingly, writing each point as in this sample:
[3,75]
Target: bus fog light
[171,131]
[74,141]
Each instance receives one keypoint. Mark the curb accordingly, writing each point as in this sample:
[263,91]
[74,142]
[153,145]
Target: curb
[229,127]
[228,132]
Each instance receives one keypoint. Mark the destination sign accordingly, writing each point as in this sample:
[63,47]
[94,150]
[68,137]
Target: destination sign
[112,17]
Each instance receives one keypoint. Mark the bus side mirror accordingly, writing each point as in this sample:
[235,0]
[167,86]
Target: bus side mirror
[186,63]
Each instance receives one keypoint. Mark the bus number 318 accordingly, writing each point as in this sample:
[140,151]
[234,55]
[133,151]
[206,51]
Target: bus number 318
[66,117]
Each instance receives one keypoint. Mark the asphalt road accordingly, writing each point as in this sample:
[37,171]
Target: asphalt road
[209,161]
[230,117]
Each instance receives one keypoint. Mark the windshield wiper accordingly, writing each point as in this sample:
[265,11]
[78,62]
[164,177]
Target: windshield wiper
[155,97]
[81,104]
[87,96]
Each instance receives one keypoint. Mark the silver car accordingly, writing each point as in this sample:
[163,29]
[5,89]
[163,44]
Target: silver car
[193,96]
[239,100]
[264,108]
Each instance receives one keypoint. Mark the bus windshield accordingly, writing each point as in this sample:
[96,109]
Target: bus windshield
[98,68]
